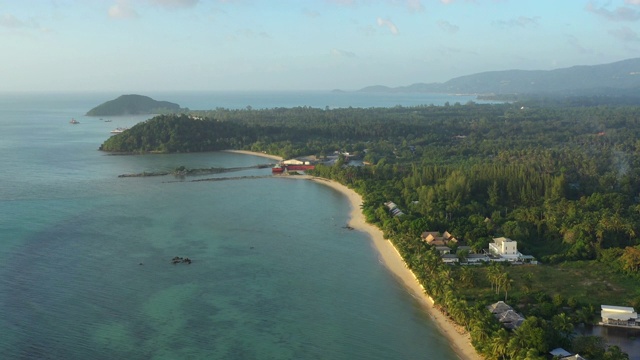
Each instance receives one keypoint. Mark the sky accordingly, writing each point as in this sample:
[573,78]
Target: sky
[261,45]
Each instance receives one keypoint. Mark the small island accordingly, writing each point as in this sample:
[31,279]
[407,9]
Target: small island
[134,105]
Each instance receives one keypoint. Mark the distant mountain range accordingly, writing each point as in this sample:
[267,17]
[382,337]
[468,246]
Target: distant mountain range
[133,105]
[615,78]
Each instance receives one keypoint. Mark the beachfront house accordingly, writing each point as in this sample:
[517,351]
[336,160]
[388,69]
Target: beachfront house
[559,353]
[429,236]
[393,208]
[505,314]
[562,354]
[574,357]
[442,250]
[434,238]
[504,247]
[499,307]
[476,258]
[450,259]
[619,316]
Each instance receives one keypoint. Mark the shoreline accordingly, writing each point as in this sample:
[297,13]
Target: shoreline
[392,260]
[254,153]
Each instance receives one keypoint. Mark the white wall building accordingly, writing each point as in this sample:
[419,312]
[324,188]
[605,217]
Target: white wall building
[505,248]
[293,162]
[618,315]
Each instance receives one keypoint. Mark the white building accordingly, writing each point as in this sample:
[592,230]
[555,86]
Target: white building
[449,258]
[293,162]
[505,248]
[618,315]
[477,258]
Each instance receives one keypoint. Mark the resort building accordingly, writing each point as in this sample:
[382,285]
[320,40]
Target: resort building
[430,236]
[574,357]
[619,316]
[477,258]
[562,354]
[442,250]
[450,258]
[506,315]
[559,353]
[505,249]
[393,208]
[294,162]
[499,307]
[434,238]
[501,249]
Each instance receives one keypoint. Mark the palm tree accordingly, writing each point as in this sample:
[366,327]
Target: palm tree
[563,325]
[460,313]
[493,273]
[585,314]
[466,275]
[500,343]
[506,282]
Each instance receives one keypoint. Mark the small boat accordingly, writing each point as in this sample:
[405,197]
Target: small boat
[118,130]
[277,169]
[74,121]
[108,120]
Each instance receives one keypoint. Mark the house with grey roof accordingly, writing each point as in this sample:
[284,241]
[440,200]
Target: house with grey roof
[505,314]
[450,258]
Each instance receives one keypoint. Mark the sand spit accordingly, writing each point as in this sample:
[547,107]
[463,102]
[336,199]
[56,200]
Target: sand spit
[254,153]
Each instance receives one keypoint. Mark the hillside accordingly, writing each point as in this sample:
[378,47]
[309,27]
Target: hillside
[577,80]
[133,105]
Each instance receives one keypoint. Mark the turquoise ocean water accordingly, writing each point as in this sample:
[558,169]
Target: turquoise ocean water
[85,255]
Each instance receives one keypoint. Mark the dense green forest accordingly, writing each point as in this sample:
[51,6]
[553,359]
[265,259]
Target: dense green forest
[563,181]
[132,105]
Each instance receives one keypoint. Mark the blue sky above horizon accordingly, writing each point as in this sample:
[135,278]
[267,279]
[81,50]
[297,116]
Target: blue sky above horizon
[178,45]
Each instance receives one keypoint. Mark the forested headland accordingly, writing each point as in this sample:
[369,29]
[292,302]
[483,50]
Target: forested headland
[134,105]
[562,180]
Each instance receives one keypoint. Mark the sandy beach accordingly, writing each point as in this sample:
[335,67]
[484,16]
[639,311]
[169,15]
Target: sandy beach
[394,262]
[461,342]
[247,152]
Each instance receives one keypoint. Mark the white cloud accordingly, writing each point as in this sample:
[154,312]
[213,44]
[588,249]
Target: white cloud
[521,21]
[174,3]
[411,5]
[122,9]
[448,27]
[385,22]
[247,34]
[632,2]
[342,53]
[620,14]
[343,2]
[574,43]
[625,34]
[311,13]
[10,21]
[415,5]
